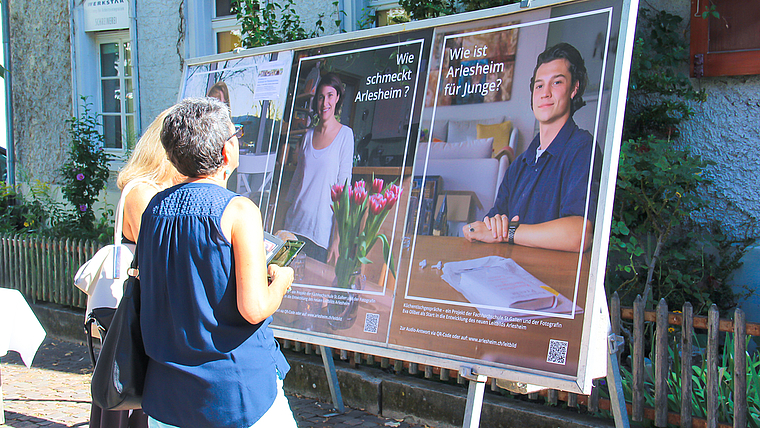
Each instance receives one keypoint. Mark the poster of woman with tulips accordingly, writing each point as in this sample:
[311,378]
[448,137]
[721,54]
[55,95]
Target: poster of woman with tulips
[353,110]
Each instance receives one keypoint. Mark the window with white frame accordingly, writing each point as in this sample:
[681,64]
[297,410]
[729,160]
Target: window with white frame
[226,28]
[117,94]
[387,12]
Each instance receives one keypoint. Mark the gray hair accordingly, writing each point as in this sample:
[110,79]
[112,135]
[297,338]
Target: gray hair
[194,133]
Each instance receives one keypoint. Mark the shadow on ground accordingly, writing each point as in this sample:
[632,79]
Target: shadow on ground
[58,355]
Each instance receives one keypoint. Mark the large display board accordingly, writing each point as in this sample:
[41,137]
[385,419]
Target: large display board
[394,151]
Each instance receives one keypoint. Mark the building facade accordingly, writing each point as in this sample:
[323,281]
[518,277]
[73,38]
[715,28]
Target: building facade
[126,57]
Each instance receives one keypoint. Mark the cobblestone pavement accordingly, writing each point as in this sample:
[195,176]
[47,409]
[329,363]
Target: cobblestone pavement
[55,393]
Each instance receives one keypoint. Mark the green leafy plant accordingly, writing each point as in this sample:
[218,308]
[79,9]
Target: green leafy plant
[367,18]
[36,212]
[272,22]
[85,173]
[656,249]
[424,9]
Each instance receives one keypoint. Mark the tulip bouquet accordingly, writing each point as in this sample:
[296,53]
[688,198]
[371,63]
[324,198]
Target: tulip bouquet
[359,214]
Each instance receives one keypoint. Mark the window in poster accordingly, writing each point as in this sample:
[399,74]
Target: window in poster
[245,84]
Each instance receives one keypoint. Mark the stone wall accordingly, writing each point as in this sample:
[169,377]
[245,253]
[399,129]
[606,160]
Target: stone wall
[309,10]
[160,50]
[725,130]
[42,100]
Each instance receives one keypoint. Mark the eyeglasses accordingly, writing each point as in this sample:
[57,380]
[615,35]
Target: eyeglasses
[238,132]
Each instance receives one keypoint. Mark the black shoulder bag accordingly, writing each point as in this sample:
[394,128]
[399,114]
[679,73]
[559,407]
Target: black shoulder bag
[119,376]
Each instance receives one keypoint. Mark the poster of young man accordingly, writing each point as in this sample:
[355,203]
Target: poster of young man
[251,86]
[353,109]
[498,266]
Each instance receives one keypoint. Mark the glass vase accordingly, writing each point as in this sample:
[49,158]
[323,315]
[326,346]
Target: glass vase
[344,305]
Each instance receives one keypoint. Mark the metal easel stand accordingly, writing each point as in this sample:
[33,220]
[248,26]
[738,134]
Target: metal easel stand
[332,378]
[615,382]
[2,407]
[475,391]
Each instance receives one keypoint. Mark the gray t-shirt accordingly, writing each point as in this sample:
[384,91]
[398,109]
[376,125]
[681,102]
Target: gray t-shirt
[317,171]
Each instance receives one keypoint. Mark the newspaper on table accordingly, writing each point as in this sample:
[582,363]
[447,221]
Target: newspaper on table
[497,287]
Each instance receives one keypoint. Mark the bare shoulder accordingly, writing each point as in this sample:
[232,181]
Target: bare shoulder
[140,195]
[143,190]
[240,216]
[242,209]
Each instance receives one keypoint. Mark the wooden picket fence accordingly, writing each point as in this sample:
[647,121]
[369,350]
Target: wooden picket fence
[642,383]
[43,268]
[713,397]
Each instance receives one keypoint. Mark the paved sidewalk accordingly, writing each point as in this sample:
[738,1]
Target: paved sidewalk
[55,393]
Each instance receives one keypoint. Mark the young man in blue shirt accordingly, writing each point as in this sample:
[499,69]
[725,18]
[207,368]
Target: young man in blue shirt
[542,199]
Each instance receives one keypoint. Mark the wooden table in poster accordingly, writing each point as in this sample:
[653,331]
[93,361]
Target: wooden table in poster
[557,269]
[305,308]
[445,334]
[554,268]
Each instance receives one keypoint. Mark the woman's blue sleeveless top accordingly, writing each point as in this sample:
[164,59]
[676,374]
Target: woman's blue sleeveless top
[208,366]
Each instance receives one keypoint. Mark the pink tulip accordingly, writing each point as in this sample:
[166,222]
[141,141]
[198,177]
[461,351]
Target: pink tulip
[376,203]
[377,185]
[359,192]
[392,194]
[336,191]
[359,195]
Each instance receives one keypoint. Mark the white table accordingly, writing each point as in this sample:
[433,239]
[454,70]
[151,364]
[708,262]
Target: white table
[20,331]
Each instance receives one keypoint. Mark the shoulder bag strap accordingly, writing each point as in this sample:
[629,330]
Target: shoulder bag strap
[119,220]
[119,223]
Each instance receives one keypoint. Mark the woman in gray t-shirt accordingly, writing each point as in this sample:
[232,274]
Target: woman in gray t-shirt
[325,159]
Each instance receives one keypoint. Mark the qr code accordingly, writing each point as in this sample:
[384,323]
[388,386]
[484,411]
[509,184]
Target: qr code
[371,321]
[557,352]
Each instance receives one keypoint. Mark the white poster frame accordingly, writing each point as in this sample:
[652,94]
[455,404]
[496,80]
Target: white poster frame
[593,354]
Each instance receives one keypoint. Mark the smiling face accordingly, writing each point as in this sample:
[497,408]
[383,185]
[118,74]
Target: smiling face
[327,101]
[553,91]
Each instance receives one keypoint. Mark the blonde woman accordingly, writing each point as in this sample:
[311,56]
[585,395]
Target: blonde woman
[147,172]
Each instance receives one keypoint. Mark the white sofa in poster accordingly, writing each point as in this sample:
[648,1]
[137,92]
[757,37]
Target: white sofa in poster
[466,162]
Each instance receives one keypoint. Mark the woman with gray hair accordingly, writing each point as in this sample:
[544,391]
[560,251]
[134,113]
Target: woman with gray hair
[206,300]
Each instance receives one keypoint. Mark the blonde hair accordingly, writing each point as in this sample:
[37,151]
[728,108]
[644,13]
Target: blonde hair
[148,160]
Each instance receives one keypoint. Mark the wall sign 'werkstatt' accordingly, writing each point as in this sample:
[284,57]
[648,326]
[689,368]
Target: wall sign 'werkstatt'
[101,15]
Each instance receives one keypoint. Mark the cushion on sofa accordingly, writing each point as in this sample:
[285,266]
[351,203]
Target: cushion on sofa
[476,149]
[438,130]
[500,132]
[466,130]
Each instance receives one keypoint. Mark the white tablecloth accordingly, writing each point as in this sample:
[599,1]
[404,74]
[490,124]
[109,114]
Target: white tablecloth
[20,330]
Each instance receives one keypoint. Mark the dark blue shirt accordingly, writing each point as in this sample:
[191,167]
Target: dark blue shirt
[554,187]
[208,367]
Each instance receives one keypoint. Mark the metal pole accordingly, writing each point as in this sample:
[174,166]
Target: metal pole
[8,94]
[332,377]
[615,383]
[475,391]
